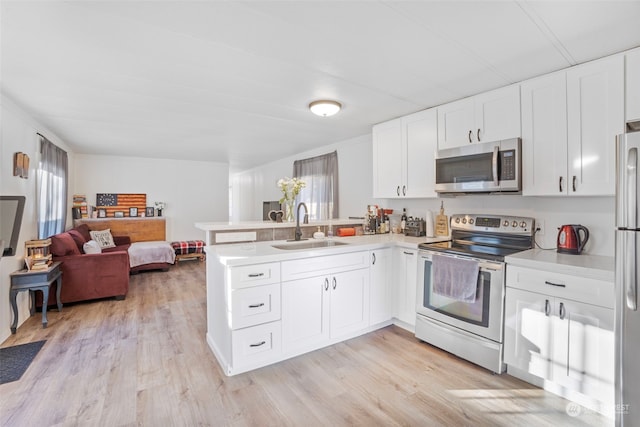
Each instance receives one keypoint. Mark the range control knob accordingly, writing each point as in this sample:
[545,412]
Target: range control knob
[464,220]
[505,223]
[514,224]
[523,224]
[471,221]
[457,220]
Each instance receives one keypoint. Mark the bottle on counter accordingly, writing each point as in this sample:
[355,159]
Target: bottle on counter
[429,225]
[403,220]
[387,224]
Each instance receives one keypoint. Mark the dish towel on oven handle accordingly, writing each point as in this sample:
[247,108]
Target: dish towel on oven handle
[455,278]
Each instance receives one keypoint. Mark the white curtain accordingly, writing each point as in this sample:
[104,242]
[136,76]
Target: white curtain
[321,192]
[51,189]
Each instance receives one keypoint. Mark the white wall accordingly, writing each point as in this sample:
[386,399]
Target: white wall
[18,133]
[193,191]
[355,167]
[355,156]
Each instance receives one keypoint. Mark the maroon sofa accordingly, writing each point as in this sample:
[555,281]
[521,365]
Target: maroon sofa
[89,276]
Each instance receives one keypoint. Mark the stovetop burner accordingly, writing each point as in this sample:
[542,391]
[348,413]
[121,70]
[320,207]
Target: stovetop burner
[488,237]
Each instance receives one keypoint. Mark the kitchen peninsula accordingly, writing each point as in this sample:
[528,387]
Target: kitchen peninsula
[268,301]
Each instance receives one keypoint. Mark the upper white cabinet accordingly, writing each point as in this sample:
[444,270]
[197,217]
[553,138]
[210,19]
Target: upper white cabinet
[490,116]
[569,122]
[595,115]
[633,85]
[403,153]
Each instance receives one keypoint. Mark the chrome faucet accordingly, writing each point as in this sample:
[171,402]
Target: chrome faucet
[305,221]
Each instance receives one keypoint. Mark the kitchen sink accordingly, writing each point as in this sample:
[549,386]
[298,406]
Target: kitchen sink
[309,244]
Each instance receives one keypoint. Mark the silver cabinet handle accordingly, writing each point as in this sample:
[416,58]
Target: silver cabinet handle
[562,311]
[326,284]
[560,184]
[404,190]
[547,307]
[494,165]
[258,345]
[407,253]
[560,285]
[398,190]
[335,283]
[373,255]
[256,305]
[256,274]
[478,135]
[470,133]
[575,178]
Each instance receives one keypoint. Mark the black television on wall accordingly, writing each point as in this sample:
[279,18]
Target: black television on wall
[11,210]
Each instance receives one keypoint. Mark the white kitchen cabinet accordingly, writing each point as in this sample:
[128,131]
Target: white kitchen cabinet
[632,86]
[489,116]
[381,306]
[305,313]
[595,115]
[349,304]
[559,328]
[404,286]
[544,135]
[403,153]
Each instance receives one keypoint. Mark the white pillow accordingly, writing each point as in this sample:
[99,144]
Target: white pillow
[92,247]
[103,237]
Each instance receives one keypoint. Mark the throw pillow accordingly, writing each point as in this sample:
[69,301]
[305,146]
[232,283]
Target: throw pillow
[78,238]
[62,245]
[92,247]
[103,237]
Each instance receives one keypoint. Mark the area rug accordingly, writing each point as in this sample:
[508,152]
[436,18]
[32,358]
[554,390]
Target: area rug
[15,360]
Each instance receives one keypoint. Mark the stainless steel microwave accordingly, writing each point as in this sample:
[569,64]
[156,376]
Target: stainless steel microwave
[488,167]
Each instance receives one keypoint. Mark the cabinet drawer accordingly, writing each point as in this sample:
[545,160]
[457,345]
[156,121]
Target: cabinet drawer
[255,305]
[257,274]
[581,289]
[324,265]
[255,345]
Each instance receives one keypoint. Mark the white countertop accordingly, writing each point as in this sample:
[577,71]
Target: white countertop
[260,252]
[594,266]
[253,225]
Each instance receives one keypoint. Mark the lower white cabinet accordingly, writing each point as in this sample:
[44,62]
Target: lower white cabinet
[380,291]
[404,284]
[319,310]
[556,335]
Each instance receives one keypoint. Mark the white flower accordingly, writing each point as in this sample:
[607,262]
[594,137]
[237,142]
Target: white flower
[290,188]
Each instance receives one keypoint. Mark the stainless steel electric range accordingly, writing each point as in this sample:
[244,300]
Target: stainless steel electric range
[467,319]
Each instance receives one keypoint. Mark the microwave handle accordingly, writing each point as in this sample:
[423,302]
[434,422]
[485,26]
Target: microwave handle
[496,151]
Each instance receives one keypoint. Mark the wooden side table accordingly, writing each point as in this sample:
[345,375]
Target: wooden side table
[32,281]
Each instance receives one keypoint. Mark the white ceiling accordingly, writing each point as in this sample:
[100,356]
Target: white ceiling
[230,81]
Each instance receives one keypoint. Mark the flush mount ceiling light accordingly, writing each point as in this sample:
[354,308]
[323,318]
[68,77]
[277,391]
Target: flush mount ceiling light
[325,108]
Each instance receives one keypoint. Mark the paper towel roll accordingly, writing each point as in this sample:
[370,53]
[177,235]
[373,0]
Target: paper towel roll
[430,227]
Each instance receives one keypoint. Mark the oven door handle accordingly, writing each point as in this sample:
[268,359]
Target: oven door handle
[494,164]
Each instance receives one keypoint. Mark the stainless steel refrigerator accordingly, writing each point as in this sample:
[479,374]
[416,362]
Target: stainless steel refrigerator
[627,327]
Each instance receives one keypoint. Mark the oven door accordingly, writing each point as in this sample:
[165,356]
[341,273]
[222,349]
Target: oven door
[482,317]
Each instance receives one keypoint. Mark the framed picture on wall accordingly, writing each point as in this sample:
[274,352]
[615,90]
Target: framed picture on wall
[133,212]
[118,214]
[149,211]
[102,213]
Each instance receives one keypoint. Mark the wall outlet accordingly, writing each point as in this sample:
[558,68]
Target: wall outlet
[540,227]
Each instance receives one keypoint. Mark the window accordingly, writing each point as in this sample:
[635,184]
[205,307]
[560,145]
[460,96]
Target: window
[321,192]
[52,189]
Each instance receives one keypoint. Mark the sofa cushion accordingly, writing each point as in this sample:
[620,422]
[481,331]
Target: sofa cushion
[63,244]
[78,238]
[92,247]
[83,229]
[103,237]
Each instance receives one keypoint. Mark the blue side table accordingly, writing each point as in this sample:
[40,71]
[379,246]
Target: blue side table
[32,281]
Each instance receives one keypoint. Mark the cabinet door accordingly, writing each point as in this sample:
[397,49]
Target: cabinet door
[633,86]
[404,286]
[305,314]
[497,115]
[544,135]
[583,353]
[380,307]
[349,304]
[420,141]
[387,159]
[455,124]
[595,113]
[528,334]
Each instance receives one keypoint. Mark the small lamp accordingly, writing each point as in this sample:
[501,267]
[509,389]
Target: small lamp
[325,108]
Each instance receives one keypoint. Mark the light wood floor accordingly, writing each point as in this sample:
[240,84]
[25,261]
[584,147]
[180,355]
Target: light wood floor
[144,361]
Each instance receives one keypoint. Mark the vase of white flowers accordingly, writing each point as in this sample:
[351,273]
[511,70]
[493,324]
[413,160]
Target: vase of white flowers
[159,207]
[290,188]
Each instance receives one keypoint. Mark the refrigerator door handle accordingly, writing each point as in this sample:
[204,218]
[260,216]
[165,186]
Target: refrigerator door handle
[628,269]
[632,190]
